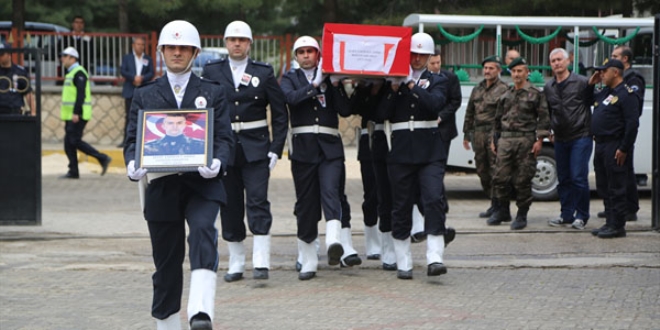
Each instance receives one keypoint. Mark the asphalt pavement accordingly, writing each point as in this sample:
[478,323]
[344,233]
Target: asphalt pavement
[89,266]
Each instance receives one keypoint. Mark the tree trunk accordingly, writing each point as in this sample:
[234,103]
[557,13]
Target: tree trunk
[17,21]
[124,26]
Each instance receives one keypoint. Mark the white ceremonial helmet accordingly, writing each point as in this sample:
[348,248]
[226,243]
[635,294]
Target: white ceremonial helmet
[422,43]
[238,29]
[305,41]
[179,33]
[71,52]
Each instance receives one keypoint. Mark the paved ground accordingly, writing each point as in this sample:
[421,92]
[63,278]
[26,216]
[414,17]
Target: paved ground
[91,269]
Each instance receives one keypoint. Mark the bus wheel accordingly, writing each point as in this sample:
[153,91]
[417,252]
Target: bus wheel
[544,183]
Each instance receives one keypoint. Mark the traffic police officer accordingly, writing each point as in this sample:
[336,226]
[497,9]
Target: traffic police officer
[76,111]
[171,199]
[478,124]
[251,87]
[415,160]
[614,125]
[14,85]
[317,156]
[521,123]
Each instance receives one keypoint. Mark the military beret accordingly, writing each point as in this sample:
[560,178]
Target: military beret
[610,63]
[492,58]
[517,61]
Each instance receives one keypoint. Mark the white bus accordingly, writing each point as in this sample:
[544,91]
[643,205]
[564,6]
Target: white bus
[467,54]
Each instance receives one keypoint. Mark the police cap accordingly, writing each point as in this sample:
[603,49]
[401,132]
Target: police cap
[610,63]
[492,58]
[517,61]
[4,46]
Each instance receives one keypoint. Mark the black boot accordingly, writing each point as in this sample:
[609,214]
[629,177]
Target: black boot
[491,209]
[521,220]
[500,214]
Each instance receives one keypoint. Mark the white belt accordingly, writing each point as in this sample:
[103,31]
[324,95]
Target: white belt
[239,126]
[364,131]
[314,129]
[379,127]
[412,125]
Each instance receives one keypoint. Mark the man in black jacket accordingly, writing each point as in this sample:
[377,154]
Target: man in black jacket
[570,119]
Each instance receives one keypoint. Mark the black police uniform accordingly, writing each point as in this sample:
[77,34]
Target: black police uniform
[173,199]
[14,85]
[418,154]
[317,156]
[247,171]
[363,104]
[636,82]
[447,115]
[614,125]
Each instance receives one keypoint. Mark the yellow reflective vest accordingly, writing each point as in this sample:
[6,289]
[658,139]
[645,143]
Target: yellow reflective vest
[69,92]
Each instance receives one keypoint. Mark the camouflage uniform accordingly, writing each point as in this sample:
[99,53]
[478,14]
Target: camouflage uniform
[522,118]
[478,125]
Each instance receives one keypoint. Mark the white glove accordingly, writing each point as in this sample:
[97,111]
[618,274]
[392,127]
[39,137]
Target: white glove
[134,174]
[273,160]
[318,75]
[210,172]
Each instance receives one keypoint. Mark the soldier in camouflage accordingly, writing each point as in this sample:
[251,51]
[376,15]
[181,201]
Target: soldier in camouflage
[521,123]
[478,124]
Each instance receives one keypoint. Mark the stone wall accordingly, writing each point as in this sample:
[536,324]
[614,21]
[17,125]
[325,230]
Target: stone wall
[107,124]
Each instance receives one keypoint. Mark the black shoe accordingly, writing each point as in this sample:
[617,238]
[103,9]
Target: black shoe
[352,260]
[418,237]
[306,276]
[435,269]
[260,273]
[630,217]
[233,277]
[104,164]
[70,176]
[519,223]
[601,214]
[373,257]
[498,217]
[389,266]
[201,321]
[487,213]
[298,266]
[404,274]
[609,232]
[335,251]
[597,230]
[450,234]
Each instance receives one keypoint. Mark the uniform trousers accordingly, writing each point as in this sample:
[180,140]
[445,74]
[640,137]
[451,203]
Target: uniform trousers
[484,160]
[631,189]
[73,142]
[428,178]
[317,189]
[246,184]
[384,194]
[345,206]
[516,165]
[169,203]
[370,197]
[611,182]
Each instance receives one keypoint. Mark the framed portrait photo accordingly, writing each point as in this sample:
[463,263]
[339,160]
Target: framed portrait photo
[177,140]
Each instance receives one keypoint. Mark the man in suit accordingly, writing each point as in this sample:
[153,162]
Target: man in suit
[137,68]
[172,199]
[317,157]
[251,87]
[412,105]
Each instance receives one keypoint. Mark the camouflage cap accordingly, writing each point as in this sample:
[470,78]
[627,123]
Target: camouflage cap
[492,58]
[517,61]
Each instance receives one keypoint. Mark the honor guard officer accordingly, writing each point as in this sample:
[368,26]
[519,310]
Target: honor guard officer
[521,123]
[614,124]
[171,199]
[478,124]
[251,87]
[416,158]
[15,88]
[76,111]
[317,157]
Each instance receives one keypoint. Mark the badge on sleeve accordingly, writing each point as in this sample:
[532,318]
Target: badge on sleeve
[321,98]
[255,81]
[200,102]
[245,80]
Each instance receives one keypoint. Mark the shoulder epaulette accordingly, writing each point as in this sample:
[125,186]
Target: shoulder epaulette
[216,62]
[264,64]
[209,81]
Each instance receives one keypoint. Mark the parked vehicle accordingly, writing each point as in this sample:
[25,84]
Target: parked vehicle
[207,55]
